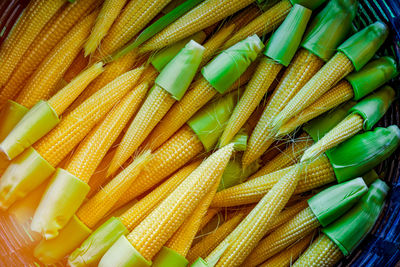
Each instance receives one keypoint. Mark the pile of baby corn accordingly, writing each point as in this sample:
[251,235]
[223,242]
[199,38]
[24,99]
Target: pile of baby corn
[192,133]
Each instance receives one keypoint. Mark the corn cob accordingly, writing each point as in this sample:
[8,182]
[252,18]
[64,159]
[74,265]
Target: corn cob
[301,225]
[133,18]
[77,66]
[263,24]
[151,112]
[171,213]
[35,16]
[246,15]
[289,256]
[132,217]
[90,152]
[211,212]
[96,207]
[48,38]
[256,224]
[60,101]
[348,127]
[203,15]
[99,176]
[341,93]
[210,242]
[108,13]
[182,239]
[304,65]
[287,157]
[111,71]
[314,175]
[44,80]
[322,251]
[75,126]
[177,151]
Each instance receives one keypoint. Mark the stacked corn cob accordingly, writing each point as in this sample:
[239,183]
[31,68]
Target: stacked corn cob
[74,73]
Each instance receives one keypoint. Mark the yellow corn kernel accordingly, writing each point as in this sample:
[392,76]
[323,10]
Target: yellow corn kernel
[48,38]
[132,217]
[33,19]
[77,66]
[287,257]
[345,129]
[182,239]
[133,19]
[76,125]
[43,82]
[210,242]
[203,15]
[302,68]
[263,24]
[197,96]
[256,224]
[301,225]
[265,74]
[341,93]
[94,147]
[156,105]
[287,157]
[172,155]
[96,207]
[313,175]
[322,252]
[63,98]
[329,75]
[152,233]
[246,15]
[108,13]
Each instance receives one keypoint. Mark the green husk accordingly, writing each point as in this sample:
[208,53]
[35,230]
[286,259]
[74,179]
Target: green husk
[372,76]
[361,47]
[330,27]
[169,258]
[10,115]
[156,27]
[351,229]
[36,123]
[161,58]
[286,40]
[370,177]
[334,201]
[200,263]
[363,152]
[311,4]
[373,107]
[235,174]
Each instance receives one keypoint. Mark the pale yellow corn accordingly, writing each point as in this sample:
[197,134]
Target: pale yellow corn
[132,217]
[172,155]
[322,252]
[33,19]
[345,129]
[63,98]
[265,74]
[95,146]
[182,239]
[211,212]
[263,24]
[48,38]
[341,93]
[96,207]
[287,157]
[152,233]
[77,66]
[43,82]
[108,13]
[156,105]
[76,125]
[302,68]
[111,71]
[203,15]
[329,75]
[256,224]
[287,257]
[301,225]
[313,175]
[133,19]
[197,96]
[211,241]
